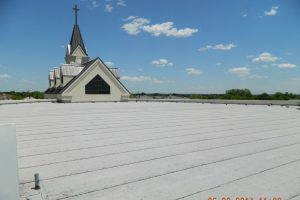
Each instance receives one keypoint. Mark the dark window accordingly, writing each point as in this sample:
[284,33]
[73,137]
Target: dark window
[97,86]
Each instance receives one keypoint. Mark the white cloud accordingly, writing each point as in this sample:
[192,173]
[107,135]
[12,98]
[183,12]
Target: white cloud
[157,81]
[4,76]
[272,12]
[167,29]
[95,4]
[92,4]
[244,72]
[193,71]
[109,64]
[244,14]
[285,65]
[130,18]
[162,63]
[121,3]
[108,8]
[135,26]
[218,47]
[250,56]
[136,78]
[26,81]
[295,79]
[62,46]
[239,71]
[265,57]
[256,76]
[219,64]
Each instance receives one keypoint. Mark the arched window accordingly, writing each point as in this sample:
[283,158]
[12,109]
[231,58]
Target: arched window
[97,86]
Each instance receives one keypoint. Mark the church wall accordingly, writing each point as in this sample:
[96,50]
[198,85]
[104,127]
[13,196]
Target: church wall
[66,80]
[50,96]
[79,54]
[70,59]
[57,82]
[51,83]
[78,92]
[85,59]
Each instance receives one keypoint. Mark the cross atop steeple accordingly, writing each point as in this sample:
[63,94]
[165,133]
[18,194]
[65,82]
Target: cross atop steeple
[75,42]
[76,10]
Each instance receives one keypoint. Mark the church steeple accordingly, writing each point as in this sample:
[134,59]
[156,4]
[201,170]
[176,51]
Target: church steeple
[75,43]
[76,40]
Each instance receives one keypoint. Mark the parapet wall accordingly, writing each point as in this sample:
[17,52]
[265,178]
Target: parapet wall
[210,101]
[223,101]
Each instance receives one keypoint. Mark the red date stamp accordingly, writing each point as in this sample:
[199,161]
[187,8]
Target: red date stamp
[245,198]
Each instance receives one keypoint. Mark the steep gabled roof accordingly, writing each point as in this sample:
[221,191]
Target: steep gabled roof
[76,40]
[86,66]
[113,74]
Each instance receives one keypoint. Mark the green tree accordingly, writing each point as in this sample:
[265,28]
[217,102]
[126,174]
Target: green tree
[198,96]
[264,96]
[242,94]
[37,95]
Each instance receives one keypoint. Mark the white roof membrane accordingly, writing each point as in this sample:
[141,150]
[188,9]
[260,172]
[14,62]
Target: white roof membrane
[148,150]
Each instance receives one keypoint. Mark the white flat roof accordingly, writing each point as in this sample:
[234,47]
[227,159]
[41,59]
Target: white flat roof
[168,151]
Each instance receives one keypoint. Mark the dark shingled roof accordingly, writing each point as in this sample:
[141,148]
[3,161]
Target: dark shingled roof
[76,40]
[50,91]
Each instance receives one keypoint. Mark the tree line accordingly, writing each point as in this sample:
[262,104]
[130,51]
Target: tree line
[22,95]
[245,94]
[234,94]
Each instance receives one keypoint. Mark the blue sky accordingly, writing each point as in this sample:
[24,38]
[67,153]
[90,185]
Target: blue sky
[189,46]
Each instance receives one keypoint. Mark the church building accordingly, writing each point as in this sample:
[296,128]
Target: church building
[83,79]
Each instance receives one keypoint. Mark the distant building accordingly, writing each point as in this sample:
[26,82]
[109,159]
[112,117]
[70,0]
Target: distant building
[82,79]
[5,96]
